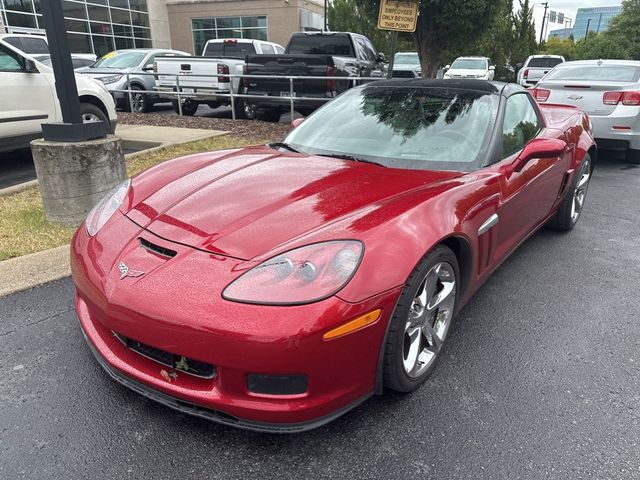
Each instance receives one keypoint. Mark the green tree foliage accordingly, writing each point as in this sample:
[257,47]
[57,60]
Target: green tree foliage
[557,46]
[497,42]
[524,34]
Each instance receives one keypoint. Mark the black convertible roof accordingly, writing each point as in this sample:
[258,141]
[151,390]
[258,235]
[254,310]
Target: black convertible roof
[460,84]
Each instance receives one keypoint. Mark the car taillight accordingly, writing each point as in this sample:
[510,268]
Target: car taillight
[230,40]
[222,69]
[331,83]
[630,99]
[245,80]
[526,73]
[540,94]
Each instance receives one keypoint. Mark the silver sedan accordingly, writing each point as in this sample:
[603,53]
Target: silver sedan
[608,91]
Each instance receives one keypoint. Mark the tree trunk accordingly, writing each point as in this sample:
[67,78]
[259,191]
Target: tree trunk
[428,47]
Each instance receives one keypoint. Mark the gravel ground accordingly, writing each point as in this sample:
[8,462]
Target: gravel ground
[238,128]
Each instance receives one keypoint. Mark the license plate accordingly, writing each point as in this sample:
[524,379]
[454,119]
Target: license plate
[188,90]
[287,94]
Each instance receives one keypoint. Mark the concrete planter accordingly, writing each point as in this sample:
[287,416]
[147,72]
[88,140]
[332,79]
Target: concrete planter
[73,177]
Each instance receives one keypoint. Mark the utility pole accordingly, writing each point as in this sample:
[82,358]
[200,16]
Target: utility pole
[326,2]
[586,34]
[544,17]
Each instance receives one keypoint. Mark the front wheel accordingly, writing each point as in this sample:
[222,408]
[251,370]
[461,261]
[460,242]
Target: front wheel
[189,107]
[138,102]
[421,321]
[573,202]
[91,113]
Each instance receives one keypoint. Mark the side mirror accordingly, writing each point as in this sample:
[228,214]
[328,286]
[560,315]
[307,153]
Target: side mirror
[381,58]
[539,148]
[148,67]
[492,67]
[30,65]
[296,122]
[447,67]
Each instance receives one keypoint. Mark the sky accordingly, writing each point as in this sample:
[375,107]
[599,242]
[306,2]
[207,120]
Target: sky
[569,7]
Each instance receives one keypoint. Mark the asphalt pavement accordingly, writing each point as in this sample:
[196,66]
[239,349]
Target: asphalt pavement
[539,379]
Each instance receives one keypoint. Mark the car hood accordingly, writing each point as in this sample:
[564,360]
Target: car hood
[103,72]
[251,201]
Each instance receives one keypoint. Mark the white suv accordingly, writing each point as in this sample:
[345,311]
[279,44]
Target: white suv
[28,99]
[471,67]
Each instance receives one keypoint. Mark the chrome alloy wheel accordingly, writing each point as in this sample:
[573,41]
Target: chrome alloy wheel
[580,192]
[429,319]
[137,102]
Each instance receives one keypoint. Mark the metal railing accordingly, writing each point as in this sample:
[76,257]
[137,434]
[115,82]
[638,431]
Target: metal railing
[229,93]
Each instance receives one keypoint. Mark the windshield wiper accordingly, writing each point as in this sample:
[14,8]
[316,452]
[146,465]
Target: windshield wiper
[344,156]
[286,146]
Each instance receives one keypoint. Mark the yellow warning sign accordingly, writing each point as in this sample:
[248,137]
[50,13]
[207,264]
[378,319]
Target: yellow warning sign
[398,15]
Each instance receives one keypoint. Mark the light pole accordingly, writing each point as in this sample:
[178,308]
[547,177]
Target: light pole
[544,17]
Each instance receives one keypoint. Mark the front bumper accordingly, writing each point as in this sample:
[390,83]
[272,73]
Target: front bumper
[189,318]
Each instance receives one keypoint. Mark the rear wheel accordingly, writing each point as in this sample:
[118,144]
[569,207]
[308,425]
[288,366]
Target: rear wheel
[421,321]
[189,107]
[573,202]
[249,111]
[270,115]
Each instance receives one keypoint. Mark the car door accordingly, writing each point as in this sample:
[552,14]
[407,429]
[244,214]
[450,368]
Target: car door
[528,195]
[27,98]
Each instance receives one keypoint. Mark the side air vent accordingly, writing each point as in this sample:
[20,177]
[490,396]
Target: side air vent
[152,247]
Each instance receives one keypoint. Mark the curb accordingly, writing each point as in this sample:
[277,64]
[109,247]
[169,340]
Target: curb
[28,271]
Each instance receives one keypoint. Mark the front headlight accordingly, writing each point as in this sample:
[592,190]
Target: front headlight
[111,79]
[102,212]
[303,275]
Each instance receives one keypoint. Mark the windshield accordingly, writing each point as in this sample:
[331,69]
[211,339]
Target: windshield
[469,64]
[120,60]
[321,45]
[612,73]
[403,127]
[406,59]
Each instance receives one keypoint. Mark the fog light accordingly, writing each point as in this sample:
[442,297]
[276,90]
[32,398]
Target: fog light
[277,384]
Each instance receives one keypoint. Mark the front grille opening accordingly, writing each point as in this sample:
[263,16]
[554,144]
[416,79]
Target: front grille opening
[152,247]
[168,359]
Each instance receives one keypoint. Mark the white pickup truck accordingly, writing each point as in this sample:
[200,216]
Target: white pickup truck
[28,97]
[535,67]
[202,80]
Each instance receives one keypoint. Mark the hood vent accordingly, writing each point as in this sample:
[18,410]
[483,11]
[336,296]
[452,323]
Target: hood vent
[157,249]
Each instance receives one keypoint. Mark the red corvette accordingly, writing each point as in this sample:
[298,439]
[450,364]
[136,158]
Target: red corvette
[276,287]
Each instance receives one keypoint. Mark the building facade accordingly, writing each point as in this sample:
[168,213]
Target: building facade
[192,23]
[562,33]
[100,26]
[596,19]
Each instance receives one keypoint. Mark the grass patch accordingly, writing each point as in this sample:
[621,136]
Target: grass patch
[24,230]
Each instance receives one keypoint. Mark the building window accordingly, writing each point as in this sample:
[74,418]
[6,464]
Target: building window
[92,26]
[205,29]
[311,21]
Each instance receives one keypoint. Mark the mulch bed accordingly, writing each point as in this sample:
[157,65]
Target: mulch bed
[249,129]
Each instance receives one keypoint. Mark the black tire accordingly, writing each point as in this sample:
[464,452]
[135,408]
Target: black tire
[565,219]
[140,101]
[91,113]
[395,376]
[269,115]
[633,156]
[189,107]
[249,111]
[238,107]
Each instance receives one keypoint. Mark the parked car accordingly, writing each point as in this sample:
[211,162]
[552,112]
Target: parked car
[28,98]
[535,67]
[300,278]
[222,56]
[111,70]
[37,47]
[322,54]
[78,62]
[608,91]
[406,65]
[471,67]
